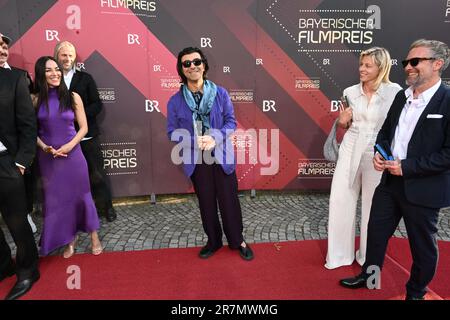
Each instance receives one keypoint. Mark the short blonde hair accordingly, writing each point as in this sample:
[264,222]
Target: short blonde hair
[382,59]
[61,45]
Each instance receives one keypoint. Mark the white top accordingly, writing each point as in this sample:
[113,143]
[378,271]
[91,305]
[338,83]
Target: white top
[408,119]
[368,117]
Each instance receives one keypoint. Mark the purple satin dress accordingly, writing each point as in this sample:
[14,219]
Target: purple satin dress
[68,206]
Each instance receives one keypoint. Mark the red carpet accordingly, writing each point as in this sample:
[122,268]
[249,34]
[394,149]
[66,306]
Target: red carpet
[399,252]
[285,270]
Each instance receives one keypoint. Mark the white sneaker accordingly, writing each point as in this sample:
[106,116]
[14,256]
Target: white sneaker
[32,225]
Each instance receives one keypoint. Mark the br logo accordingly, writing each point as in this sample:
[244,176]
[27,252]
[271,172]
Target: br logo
[51,35]
[205,42]
[269,105]
[133,38]
[151,106]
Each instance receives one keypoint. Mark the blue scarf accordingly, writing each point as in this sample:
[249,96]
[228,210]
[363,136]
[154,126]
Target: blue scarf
[201,113]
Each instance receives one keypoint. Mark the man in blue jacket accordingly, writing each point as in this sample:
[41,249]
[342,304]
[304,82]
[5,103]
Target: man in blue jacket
[200,117]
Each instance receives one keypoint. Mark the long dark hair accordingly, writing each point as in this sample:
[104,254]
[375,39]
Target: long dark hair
[41,88]
[186,51]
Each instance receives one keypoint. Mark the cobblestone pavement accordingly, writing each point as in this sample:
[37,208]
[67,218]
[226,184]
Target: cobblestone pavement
[174,221]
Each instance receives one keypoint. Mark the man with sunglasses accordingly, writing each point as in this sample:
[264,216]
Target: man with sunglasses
[414,186]
[200,117]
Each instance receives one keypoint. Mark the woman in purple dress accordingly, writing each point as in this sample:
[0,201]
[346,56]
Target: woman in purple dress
[68,205]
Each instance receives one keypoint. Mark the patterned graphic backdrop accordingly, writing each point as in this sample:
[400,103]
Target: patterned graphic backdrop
[285,64]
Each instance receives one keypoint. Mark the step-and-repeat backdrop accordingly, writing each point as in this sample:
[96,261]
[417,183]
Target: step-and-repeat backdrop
[285,64]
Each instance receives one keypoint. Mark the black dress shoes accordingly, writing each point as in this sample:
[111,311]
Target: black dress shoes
[206,252]
[9,272]
[111,215]
[357,282]
[246,253]
[408,297]
[22,286]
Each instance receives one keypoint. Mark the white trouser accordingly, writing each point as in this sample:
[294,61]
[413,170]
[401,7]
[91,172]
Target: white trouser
[342,210]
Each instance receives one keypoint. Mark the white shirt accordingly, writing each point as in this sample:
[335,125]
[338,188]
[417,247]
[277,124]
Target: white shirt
[68,78]
[408,119]
[368,117]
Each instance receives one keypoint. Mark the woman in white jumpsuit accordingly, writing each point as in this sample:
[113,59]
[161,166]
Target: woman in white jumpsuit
[369,102]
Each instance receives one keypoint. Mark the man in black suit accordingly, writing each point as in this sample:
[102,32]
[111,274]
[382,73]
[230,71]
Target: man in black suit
[4,62]
[82,83]
[30,174]
[415,185]
[17,148]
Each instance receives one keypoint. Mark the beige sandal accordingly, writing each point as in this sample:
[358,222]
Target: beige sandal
[70,249]
[97,250]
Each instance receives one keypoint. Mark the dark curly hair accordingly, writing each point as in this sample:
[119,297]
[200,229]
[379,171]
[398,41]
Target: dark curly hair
[186,51]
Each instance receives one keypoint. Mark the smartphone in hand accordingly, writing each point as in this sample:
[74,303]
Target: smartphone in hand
[344,103]
[383,152]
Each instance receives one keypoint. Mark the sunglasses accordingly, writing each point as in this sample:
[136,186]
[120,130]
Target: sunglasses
[414,61]
[196,62]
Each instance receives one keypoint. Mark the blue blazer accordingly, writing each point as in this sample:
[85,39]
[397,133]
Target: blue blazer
[426,169]
[222,121]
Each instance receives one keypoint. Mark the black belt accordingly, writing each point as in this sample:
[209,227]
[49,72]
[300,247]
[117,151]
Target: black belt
[3,153]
